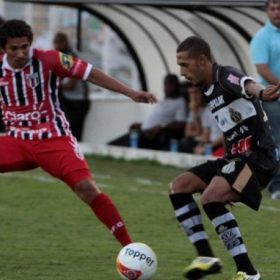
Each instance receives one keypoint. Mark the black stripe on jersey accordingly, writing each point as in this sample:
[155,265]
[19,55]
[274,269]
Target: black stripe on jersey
[26,136]
[45,135]
[38,88]
[58,120]
[24,123]
[3,91]
[43,120]
[60,126]
[19,88]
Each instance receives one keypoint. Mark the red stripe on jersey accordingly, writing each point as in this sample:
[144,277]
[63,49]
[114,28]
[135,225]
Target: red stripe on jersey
[30,102]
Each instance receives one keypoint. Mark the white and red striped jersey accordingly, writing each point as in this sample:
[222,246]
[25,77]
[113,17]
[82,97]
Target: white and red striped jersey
[29,96]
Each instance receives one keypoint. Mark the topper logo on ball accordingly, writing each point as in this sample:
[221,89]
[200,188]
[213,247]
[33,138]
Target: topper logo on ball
[139,255]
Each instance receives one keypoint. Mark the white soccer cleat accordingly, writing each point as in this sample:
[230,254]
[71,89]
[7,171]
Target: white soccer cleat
[243,276]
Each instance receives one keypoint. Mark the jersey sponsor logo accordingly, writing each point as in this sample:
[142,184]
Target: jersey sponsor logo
[229,168]
[235,115]
[221,122]
[242,129]
[233,79]
[66,61]
[216,102]
[36,114]
[241,146]
[32,79]
[29,116]
[3,83]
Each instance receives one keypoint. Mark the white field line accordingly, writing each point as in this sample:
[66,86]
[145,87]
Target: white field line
[144,182]
[32,177]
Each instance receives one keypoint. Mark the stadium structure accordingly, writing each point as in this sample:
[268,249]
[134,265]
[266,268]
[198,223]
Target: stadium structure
[151,31]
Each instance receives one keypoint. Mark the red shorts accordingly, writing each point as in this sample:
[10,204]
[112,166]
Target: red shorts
[61,157]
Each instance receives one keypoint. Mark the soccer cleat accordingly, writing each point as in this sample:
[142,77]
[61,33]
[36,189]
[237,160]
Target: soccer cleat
[201,267]
[243,276]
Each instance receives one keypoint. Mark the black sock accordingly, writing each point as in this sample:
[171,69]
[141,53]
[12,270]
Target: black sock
[227,229]
[189,217]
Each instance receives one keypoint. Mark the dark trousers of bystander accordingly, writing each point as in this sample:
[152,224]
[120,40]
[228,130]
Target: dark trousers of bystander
[76,111]
[273,113]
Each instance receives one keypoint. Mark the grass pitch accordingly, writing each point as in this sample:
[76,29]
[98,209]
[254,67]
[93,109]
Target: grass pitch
[46,232]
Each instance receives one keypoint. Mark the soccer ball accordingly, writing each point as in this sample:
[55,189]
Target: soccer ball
[136,261]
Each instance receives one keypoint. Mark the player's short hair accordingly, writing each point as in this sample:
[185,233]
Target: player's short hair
[268,2]
[15,29]
[195,46]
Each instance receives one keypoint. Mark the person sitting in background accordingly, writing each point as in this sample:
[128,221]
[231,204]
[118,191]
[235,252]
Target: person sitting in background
[166,121]
[201,129]
[193,125]
[211,137]
[73,92]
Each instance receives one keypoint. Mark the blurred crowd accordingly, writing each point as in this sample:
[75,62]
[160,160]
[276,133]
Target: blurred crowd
[179,122]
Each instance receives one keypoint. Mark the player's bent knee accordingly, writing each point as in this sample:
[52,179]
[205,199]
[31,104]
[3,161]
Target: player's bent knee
[87,190]
[178,185]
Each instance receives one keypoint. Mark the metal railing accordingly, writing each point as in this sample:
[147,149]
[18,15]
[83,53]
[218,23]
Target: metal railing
[250,3]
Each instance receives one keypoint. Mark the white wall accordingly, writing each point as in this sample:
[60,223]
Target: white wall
[110,118]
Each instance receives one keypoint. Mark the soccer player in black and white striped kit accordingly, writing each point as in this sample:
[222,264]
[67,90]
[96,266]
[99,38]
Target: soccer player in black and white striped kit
[250,162]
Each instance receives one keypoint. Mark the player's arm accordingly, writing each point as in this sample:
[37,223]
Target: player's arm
[264,71]
[67,66]
[101,79]
[269,94]
[237,83]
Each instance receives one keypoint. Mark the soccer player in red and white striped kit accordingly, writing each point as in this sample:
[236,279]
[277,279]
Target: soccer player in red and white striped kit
[38,134]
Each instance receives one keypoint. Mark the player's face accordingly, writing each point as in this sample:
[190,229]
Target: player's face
[273,12]
[17,50]
[190,68]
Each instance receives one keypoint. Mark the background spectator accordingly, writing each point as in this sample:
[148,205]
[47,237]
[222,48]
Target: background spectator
[2,126]
[73,93]
[265,50]
[166,121]
[193,125]
[211,135]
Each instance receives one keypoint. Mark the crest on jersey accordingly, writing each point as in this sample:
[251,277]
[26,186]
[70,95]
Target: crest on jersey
[32,79]
[235,116]
[66,61]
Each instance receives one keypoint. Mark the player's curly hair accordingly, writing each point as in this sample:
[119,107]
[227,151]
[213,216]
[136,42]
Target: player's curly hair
[15,29]
[195,46]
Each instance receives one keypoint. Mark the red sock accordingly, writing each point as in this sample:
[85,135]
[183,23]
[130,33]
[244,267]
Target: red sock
[108,214]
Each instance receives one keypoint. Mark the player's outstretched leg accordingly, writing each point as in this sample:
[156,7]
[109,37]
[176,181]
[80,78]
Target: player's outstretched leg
[107,213]
[228,231]
[104,209]
[189,217]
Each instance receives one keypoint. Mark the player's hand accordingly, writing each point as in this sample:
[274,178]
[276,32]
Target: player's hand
[271,93]
[143,97]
